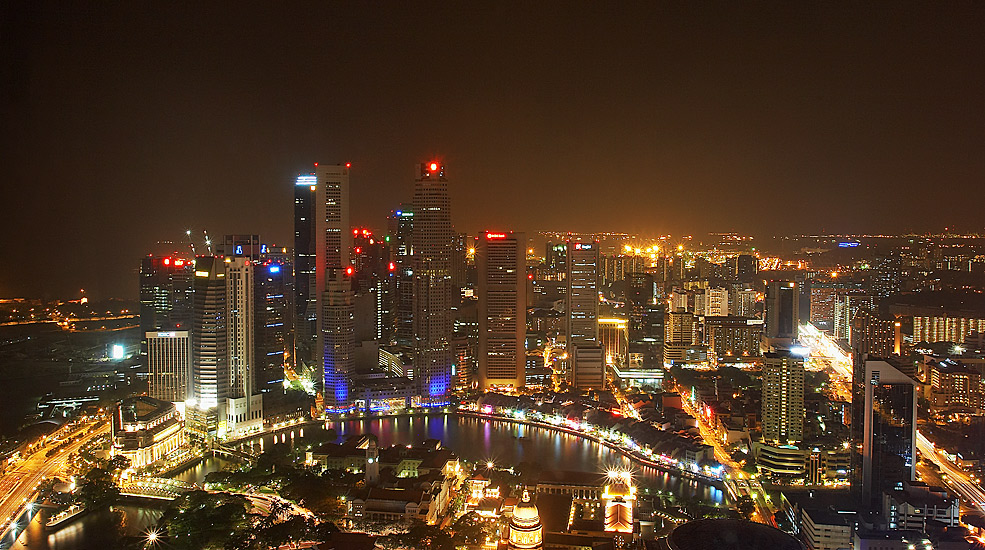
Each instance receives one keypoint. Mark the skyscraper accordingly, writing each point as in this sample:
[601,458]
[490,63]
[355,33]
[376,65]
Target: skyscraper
[783,398]
[502,309]
[208,373]
[306,292]
[679,332]
[782,310]
[168,364]
[432,238]
[165,295]
[586,359]
[333,243]
[274,321]
[243,405]
[401,227]
[883,429]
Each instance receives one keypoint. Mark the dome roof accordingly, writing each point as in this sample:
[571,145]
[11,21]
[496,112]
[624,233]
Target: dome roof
[525,513]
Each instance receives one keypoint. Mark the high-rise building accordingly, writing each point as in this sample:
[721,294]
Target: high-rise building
[586,358]
[614,339]
[306,292]
[401,228]
[883,429]
[782,310]
[169,364]
[743,302]
[679,333]
[274,318]
[244,404]
[333,270]
[502,311]
[432,238]
[875,336]
[209,373]
[716,302]
[165,294]
[733,337]
[783,398]
[639,295]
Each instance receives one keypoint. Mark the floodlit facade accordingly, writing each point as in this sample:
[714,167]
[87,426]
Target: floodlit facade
[783,398]
[169,363]
[502,311]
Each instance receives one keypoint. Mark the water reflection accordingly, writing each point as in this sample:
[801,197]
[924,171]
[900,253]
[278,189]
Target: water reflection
[481,440]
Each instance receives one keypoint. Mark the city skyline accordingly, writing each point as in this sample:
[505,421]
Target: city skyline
[186,120]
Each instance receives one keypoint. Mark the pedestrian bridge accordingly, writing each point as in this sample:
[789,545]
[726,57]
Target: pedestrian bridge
[155,487]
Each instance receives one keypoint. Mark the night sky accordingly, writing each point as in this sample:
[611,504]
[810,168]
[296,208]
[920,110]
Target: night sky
[124,125]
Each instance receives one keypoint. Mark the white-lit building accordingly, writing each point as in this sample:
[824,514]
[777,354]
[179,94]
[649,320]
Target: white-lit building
[146,430]
[168,364]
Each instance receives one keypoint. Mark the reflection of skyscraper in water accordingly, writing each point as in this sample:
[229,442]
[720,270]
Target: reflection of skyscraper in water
[432,239]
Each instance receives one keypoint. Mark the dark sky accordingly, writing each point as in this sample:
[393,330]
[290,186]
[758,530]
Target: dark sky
[123,125]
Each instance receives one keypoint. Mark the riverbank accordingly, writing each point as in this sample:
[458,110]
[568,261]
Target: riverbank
[633,457]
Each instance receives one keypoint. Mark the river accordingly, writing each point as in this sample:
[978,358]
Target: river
[473,439]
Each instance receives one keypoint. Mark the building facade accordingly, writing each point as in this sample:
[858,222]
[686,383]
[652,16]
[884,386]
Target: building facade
[502,310]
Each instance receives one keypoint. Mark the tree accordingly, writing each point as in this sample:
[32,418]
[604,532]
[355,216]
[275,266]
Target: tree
[745,506]
[469,530]
[118,463]
[98,489]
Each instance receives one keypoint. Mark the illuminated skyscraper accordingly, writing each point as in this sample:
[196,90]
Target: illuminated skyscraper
[209,375]
[168,364]
[783,398]
[501,309]
[333,270]
[432,239]
[165,295]
[243,407]
[306,293]
[586,359]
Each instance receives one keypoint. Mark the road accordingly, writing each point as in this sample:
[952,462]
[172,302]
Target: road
[20,485]
[959,481]
[739,482]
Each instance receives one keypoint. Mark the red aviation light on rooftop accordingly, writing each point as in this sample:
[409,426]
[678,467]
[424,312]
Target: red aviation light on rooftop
[349,271]
[355,231]
[392,266]
[179,263]
[348,165]
[434,166]
[495,236]
[167,261]
[316,164]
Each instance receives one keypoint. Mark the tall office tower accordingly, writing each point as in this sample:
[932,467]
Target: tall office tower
[244,404]
[165,295]
[716,302]
[873,335]
[743,303]
[782,310]
[333,271]
[168,364]
[502,309]
[209,373]
[639,295]
[305,289]
[746,268]
[432,238]
[845,308]
[679,333]
[883,430]
[459,259]
[783,398]
[556,261]
[889,275]
[614,339]
[401,228]
[274,316]
[586,358]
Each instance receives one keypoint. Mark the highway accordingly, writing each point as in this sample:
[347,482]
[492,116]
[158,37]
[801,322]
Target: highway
[959,481]
[20,485]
